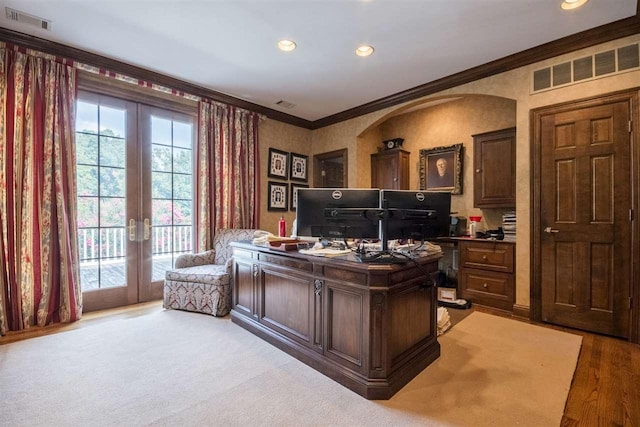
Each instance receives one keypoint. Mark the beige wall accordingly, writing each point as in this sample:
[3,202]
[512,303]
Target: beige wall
[273,134]
[447,124]
[358,134]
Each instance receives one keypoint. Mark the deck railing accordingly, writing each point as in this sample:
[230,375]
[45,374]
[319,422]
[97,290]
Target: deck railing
[110,242]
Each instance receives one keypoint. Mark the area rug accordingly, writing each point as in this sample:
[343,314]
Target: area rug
[180,368]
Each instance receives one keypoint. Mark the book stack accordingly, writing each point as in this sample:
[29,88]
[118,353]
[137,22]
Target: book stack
[509,226]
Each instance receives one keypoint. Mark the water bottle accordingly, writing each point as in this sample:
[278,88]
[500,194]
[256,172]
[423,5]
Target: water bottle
[282,227]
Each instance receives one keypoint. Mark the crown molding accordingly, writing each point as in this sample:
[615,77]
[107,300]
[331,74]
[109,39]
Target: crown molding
[612,31]
[79,55]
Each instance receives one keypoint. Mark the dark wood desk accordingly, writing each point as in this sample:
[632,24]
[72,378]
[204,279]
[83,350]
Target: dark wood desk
[370,327]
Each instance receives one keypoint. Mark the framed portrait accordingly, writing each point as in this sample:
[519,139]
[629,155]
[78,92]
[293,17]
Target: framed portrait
[441,169]
[278,164]
[278,193]
[299,167]
[293,197]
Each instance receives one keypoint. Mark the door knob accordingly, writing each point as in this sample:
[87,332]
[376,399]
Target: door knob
[551,230]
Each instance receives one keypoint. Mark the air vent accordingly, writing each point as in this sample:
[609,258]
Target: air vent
[605,63]
[628,57]
[583,68]
[562,74]
[25,18]
[601,64]
[542,79]
[285,104]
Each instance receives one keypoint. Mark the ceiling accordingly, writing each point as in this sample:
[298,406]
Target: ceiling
[230,46]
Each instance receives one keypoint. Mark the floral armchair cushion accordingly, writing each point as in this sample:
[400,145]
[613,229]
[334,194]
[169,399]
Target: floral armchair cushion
[201,282]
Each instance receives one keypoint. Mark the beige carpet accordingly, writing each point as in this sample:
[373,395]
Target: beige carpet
[179,368]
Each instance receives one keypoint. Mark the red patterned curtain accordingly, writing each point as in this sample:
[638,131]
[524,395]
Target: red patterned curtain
[227,189]
[39,276]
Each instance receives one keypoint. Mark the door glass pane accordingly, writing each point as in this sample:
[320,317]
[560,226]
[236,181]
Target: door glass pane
[171,192]
[101,182]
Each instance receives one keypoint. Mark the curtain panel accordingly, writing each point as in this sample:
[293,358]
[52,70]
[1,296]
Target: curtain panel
[227,188]
[39,274]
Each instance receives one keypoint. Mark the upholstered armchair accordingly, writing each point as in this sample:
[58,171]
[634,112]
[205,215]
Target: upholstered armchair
[201,282]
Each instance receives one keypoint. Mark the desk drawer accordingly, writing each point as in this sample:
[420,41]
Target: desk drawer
[488,288]
[487,256]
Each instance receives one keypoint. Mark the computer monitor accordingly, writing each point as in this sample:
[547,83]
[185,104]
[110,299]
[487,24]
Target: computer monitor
[338,213]
[417,215]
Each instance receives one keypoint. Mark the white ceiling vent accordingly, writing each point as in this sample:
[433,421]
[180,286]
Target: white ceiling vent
[601,64]
[285,104]
[25,18]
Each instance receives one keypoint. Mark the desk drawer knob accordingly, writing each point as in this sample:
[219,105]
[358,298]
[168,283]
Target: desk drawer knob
[484,285]
[484,257]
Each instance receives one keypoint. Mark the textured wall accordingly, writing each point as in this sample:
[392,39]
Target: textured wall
[447,124]
[283,137]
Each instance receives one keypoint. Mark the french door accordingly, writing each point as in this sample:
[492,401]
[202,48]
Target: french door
[135,198]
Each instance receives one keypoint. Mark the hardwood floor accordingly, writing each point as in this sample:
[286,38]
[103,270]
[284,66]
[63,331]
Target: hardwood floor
[605,390]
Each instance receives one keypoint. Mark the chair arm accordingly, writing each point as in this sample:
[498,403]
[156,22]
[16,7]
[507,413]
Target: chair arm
[191,260]
[228,265]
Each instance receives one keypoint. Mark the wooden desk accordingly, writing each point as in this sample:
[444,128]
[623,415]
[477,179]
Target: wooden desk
[370,327]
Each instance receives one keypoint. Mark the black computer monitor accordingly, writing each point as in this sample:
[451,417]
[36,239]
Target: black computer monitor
[338,213]
[417,215]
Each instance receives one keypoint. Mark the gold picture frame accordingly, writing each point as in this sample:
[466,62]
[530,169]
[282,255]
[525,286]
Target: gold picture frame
[441,169]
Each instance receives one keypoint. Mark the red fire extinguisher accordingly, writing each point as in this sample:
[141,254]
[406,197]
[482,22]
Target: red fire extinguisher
[282,227]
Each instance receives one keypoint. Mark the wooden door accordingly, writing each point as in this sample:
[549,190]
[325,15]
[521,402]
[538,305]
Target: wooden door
[585,228]
[330,169]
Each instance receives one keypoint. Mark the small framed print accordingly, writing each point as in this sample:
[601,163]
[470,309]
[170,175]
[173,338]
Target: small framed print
[298,167]
[293,197]
[278,193]
[278,164]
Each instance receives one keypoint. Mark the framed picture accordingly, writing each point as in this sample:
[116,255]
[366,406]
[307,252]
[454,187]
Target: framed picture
[278,193]
[293,198]
[278,164]
[441,169]
[299,167]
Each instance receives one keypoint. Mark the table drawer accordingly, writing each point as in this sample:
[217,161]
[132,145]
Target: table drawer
[487,256]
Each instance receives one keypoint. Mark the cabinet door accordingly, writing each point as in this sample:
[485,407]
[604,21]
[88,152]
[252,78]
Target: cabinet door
[245,273]
[494,182]
[345,308]
[390,170]
[288,304]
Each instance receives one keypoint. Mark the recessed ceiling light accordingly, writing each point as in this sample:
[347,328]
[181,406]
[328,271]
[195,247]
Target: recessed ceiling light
[572,4]
[364,50]
[286,45]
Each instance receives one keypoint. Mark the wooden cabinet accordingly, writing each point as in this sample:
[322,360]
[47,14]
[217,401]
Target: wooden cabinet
[390,169]
[372,328]
[486,275]
[494,165]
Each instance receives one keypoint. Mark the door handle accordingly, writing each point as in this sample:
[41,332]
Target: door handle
[551,230]
[147,229]
[132,229]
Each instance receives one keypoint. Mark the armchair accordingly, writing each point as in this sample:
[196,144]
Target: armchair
[201,282]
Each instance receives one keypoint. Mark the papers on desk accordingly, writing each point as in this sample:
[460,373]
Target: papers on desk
[325,252]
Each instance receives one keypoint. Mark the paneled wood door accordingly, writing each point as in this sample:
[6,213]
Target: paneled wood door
[585,228]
